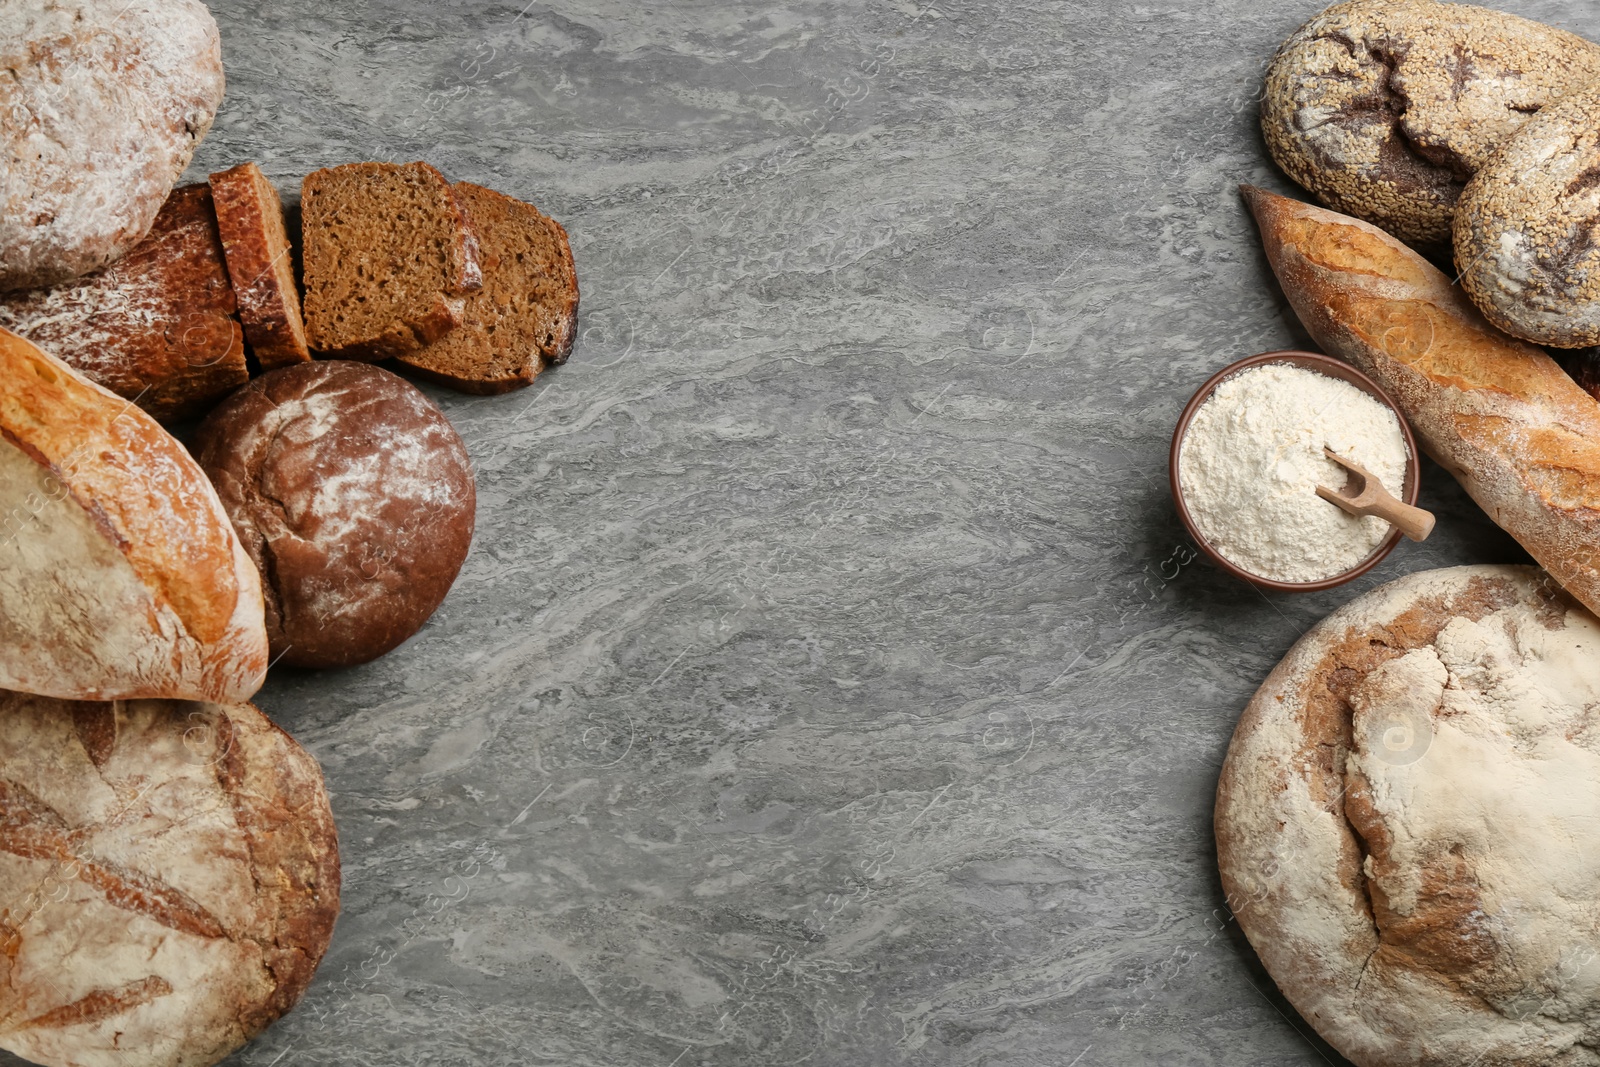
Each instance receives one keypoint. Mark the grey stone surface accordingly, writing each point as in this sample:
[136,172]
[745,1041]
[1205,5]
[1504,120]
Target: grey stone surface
[828,683]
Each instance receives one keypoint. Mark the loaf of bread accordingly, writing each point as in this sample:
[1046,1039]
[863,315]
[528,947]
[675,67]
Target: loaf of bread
[1405,823]
[104,102]
[169,879]
[120,575]
[157,327]
[260,265]
[1384,108]
[526,315]
[389,258]
[1500,415]
[354,495]
[1525,227]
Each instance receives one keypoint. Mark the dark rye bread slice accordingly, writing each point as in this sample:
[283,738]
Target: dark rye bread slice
[389,255]
[526,315]
[157,327]
[250,219]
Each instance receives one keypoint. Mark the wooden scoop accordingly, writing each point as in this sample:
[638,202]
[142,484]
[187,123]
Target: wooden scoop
[1365,495]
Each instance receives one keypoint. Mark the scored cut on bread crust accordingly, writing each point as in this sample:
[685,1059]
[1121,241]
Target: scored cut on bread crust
[169,879]
[389,255]
[1525,228]
[1500,415]
[1385,108]
[1395,823]
[105,101]
[526,315]
[158,326]
[260,265]
[120,575]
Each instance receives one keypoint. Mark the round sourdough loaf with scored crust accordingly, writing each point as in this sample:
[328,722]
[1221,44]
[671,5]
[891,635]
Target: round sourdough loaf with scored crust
[1406,823]
[169,879]
[355,497]
[1385,108]
[1527,230]
[104,103]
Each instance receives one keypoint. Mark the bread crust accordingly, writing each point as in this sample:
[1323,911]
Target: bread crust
[152,594]
[169,879]
[157,327]
[1526,229]
[1417,951]
[1385,108]
[105,101]
[1500,415]
[260,265]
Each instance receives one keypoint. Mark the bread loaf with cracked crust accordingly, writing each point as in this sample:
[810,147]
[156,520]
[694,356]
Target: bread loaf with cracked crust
[158,326]
[120,575]
[104,103]
[169,879]
[1527,230]
[1405,823]
[1500,415]
[1385,108]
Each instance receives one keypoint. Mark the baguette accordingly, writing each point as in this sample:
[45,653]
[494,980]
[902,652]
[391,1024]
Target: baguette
[1500,415]
[120,574]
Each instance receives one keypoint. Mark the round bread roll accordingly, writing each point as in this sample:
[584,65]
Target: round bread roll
[1406,823]
[169,879]
[1527,230]
[1384,108]
[104,103]
[355,497]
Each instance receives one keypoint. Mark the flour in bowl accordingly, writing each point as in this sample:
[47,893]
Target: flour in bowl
[1252,459]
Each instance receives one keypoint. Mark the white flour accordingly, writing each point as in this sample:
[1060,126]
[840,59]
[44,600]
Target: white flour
[1252,459]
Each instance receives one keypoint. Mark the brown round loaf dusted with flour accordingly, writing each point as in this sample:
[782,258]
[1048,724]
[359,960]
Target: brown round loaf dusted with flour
[1385,108]
[1527,230]
[1406,823]
[104,103]
[355,497]
[169,879]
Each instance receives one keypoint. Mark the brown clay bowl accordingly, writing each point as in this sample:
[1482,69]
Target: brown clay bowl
[1333,368]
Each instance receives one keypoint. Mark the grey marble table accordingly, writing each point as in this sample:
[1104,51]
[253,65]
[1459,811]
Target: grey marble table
[828,683]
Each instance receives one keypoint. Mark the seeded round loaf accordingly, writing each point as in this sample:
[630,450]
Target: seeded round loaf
[1528,228]
[104,103]
[355,497]
[1406,823]
[169,879]
[1385,108]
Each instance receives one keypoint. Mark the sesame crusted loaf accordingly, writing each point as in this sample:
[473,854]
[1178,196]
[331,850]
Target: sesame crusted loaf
[104,103]
[526,315]
[389,256]
[1500,415]
[169,879]
[156,327]
[1525,228]
[260,265]
[1405,823]
[120,575]
[1385,108]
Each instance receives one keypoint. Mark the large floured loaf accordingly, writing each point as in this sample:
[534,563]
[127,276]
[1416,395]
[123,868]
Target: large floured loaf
[120,575]
[1385,108]
[104,103]
[169,879]
[1500,415]
[1406,824]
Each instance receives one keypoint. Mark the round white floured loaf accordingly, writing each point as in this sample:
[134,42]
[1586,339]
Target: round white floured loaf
[104,103]
[1407,823]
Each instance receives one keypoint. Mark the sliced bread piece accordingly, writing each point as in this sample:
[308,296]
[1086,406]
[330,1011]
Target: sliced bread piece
[250,219]
[526,315]
[120,574]
[157,327]
[389,255]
